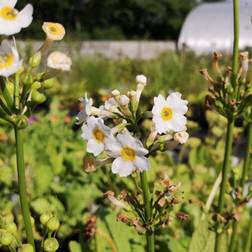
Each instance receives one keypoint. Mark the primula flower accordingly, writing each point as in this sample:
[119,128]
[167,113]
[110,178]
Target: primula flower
[54,31]
[58,60]
[168,114]
[11,20]
[86,111]
[95,132]
[9,59]
[129,154]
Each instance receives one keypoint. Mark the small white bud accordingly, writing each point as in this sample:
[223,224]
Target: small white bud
[115,92]
[181,137]
[141,79]
[124,100]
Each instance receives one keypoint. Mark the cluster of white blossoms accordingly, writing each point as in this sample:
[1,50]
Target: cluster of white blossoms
[11,22]
[114,128]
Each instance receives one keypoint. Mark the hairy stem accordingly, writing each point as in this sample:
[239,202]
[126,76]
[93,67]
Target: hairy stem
[22,186]
[148,212]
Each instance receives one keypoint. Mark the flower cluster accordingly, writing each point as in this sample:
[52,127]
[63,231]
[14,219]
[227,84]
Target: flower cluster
[21,86]
[115,129]
[230,98]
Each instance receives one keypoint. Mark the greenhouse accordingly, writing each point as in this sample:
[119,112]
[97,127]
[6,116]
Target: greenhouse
[209,27]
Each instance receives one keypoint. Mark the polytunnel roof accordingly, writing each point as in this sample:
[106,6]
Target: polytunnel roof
[209,27]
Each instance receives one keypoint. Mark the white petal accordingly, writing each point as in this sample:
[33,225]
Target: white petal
[10,3]
[112,146]
[142,163]
[121,167]
[95,147]
[24,17]
[86,132]
[178,122]
[159,103]
[176,103]
[92,122]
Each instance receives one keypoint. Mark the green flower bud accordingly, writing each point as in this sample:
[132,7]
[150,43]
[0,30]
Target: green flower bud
[35,60]
[36,85]
[12,228]
[10,87]
[22,122]
[53,224]
[47,84]
[7,218]
[26,248]
[37,97]
[5,238]
[44,218]
[51,245]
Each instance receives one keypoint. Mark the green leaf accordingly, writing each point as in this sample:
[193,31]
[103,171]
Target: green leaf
[121,236]
[202,239]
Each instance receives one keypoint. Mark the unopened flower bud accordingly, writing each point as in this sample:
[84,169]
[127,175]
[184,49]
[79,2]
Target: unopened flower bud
[26,248]
[124,100]
[115,92]
[53,224]
[47,84]
[22,121]
[6,238]
[44,218]
[36,85]
[37,97]
[141,79]
[35,60]
[59,61]
[181,137]
[12,228]
[51,245]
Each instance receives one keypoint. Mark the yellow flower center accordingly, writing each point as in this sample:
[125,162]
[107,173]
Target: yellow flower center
[166,113]
[8,13]
[128,154]
[98,135]
[55,29]
[6,60]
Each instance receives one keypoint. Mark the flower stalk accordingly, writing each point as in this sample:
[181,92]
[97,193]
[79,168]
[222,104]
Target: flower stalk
[148,212]
[22,185]
[242,183]
[230,125]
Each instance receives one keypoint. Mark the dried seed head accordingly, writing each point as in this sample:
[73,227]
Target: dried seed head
[182,216]
[90,228]
[89,164]
[125,219]
[205,74]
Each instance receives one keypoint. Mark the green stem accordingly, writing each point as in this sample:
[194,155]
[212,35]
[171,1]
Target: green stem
[225,171]
[242,182]
[249,238]
[148,212]
[22,186]
[229,137]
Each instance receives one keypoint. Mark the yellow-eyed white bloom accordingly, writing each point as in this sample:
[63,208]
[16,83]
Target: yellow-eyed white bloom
[9,58]
[168,114]
[129,154]
[54,31]
[95,132]
[60,61]
[86,110]
[12,20]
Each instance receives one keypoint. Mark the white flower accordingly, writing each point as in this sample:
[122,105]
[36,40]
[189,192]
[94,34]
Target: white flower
[9,59]
[181,137]
[110,104]
[86,111]
[58,60]
[11,20]
[54,31]
[141,79]
[168,114]
[95,132]
[128,152]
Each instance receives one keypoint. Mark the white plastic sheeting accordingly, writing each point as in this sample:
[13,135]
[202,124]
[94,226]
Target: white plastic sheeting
[209,27]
